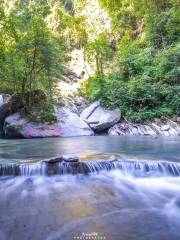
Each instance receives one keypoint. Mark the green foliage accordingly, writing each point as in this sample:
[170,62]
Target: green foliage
[142,44]
[42,112]
[145,87]
[67,25]
[29,49]
[99,51]
[31,54]
[146,81]
[92,88]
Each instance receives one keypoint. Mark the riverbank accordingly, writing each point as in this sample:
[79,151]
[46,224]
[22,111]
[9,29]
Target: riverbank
[78,117]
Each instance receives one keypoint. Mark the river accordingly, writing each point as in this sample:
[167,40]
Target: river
[136,147]
[104,205]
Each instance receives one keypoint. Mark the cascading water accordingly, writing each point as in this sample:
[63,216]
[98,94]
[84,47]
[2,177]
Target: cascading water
[128,167]
[108,205]
[132,197]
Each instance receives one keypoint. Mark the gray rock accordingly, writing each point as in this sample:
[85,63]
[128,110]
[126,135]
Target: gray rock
[76,104]
[16,126]
[100,119]
[53,160]
[66,158]
[130,129]
[69,124]
[89,110]
[163,129]
[69,158]
[178,119]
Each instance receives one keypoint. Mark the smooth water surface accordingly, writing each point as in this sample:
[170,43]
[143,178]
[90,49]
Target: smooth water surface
[87,148]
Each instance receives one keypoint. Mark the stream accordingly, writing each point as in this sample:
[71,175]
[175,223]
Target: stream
[136,199]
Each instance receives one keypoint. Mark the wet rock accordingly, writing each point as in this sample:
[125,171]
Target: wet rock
[80,168]
[52,169]
[69,158]
[53,160]
[66,158]
[100,119]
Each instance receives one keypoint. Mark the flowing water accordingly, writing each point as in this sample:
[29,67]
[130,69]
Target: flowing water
[136,197]
[136,147]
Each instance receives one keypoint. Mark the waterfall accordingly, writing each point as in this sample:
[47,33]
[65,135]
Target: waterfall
[138,168]
[131,167]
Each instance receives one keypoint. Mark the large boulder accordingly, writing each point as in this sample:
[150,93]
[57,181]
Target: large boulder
[100,119]
[16,126]
[17,102]
[69,124]
[76,104]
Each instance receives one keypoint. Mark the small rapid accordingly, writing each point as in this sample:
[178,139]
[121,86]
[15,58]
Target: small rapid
[133,195]
[137,168]
[108,205]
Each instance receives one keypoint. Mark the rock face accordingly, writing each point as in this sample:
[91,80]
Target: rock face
[69,124]
[76,104]
[100,119]
[15,126]
[169,128]
[16,103]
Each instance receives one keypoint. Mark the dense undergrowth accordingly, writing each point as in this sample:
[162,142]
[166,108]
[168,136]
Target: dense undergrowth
[144,81]
[145,87]
[136,58]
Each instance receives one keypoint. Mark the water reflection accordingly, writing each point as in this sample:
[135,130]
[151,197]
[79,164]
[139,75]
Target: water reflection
[31,150]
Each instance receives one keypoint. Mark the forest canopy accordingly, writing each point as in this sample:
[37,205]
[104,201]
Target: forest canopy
[136,59]
[145,78]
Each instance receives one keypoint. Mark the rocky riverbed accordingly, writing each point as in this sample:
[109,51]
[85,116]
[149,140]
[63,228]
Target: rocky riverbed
[78,118]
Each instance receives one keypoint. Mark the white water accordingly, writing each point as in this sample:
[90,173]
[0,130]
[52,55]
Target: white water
[136,198]
[136,168]
[111,204]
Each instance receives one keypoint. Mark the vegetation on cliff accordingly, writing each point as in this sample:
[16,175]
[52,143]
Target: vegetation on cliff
[133,48]
[145,78]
